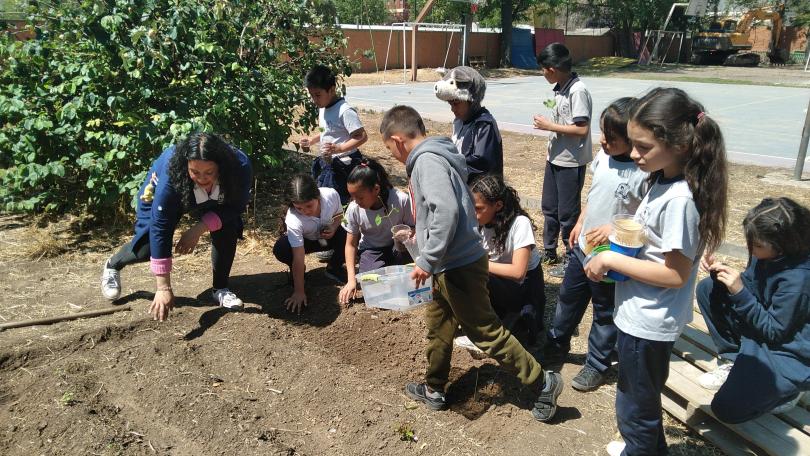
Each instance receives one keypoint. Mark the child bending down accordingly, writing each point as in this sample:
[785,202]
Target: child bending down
[760,319]
[515,276]
[375,209]
[313,225]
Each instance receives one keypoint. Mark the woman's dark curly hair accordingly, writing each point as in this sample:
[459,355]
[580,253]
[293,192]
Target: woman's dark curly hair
[781,223]
[209,147]
[492,188]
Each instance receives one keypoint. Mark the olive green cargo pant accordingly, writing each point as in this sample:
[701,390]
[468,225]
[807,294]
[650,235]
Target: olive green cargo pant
[461,297]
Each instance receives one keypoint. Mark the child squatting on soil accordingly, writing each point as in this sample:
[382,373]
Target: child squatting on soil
[209,179]
[341,132]
[376,208]
[617,187]
[312,224]
[475,131]
[450,249]
[760,320]
[683,213]
[516,286]
[569,150]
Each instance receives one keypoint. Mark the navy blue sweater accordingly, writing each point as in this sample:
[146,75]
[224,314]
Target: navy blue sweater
[774,305]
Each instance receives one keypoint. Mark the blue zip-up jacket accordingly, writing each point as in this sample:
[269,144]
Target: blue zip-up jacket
[158,218]
[774,306]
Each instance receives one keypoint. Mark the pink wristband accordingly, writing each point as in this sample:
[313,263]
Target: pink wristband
[160,266]
[212,221]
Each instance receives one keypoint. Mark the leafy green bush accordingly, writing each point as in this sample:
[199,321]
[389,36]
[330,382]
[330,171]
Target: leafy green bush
[107,84]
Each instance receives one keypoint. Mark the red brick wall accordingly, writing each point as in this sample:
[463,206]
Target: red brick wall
[792,38]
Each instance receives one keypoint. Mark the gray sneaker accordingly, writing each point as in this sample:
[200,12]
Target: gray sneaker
[558,270]
[546,404]
[434,400]
[110,282]
[324,256]
[588,379]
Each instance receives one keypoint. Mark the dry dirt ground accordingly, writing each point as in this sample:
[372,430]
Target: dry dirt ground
[264,381]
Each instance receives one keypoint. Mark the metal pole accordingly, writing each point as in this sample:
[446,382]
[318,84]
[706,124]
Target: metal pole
[797,173]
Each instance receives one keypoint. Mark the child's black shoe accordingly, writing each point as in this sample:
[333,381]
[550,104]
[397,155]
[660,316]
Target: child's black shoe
[419,392]
[546,404]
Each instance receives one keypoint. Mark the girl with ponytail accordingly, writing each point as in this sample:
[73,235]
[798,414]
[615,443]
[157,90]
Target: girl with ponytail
[376,207]
[683,214]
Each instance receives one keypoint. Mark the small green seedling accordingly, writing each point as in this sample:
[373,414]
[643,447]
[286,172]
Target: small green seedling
[550,103]
[67,399]
[406,433]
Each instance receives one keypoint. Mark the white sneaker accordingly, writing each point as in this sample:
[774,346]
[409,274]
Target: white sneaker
[714,380]
[227,299]
[615,448]
[110,282]
[787,406]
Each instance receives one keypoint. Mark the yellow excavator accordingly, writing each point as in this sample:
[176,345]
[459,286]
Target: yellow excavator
[726,40]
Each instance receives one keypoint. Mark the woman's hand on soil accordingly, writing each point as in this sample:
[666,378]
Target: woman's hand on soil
[296,302]
[419,276]
[728,276]
[348,292]
[161,304]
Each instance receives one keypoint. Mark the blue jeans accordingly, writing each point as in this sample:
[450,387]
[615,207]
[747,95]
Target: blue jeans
[575,293]
[643,372]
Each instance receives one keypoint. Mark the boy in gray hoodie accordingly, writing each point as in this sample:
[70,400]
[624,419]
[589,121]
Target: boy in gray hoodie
[450,250]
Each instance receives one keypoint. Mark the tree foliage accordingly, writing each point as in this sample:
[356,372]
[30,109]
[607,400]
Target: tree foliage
[362,11]
[108,84]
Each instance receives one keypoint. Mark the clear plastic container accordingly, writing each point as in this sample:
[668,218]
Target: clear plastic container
[391,288]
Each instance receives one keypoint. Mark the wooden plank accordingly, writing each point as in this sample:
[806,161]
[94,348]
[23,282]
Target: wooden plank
[767,432]
[699,338]
[699,323]
[798,417]
[708,428]
[695,355]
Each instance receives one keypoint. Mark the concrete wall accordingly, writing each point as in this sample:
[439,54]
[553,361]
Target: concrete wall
[431,48]
[582,47]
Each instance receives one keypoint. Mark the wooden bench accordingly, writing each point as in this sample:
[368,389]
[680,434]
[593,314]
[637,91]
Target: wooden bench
[694,353]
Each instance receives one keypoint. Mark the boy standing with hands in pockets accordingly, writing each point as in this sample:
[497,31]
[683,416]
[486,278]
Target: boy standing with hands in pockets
[569,151]
[450,250]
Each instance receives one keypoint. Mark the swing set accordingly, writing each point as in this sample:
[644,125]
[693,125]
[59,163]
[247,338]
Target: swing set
[462,29]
